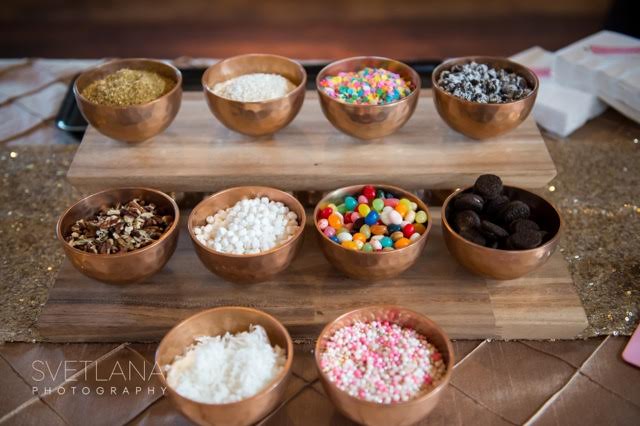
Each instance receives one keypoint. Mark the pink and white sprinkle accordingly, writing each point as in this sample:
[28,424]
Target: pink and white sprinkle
[381,362]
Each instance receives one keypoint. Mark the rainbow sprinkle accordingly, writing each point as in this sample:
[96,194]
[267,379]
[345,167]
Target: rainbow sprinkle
[369,86]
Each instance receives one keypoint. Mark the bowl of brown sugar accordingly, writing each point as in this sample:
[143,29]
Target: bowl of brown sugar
[129,100]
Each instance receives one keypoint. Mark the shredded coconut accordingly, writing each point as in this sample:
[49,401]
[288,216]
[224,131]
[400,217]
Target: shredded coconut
[254,87]
[249,227]
[229,368]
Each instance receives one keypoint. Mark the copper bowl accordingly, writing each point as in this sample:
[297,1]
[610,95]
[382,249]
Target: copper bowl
[255,118]
[215,322]
[135,123]
[505,264]
[369,121]
[246,268]
[120,268]
[375,265]
[482,121]
[400,413]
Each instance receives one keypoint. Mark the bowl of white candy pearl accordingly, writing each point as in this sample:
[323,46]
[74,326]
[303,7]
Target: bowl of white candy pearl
[247,234]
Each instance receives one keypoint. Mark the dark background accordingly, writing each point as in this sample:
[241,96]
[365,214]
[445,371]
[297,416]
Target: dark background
[403,29]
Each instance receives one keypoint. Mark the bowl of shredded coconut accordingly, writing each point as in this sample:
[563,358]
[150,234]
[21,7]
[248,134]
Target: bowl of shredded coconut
[247,234]
[226,365]
[255,94]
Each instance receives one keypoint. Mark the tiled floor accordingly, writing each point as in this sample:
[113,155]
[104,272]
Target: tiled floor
[494,383]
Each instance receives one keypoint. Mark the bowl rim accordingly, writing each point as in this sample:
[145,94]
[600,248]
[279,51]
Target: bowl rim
[453,232]
[421,204]
[209,90]
[301,224]
[481,59]
[176,87]
[422,395]
[268,388]
[165,234]
[415,92]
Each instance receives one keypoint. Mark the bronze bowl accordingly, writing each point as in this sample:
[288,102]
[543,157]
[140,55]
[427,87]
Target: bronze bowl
[121,268]
[505,264]
[369,121]
[214,322]
[397,414]
[255,118]
[135,123]
[482,121]
[372,266]
[246,268]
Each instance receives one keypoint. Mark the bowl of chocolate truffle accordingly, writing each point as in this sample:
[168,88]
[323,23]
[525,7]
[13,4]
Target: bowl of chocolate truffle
[130,100]
[255,94]
[247,234]
[499,231]
[121,235]
[368,97]
[483,97]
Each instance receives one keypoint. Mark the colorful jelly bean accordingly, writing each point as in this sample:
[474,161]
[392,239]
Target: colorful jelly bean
[408,230]
[372,218]
[369,192]
[350,203]
[377,204]
[364,209]
[372,221]
[329,231]
[401,243]
[335,221]
[378,229]
[351,245]
[396,236]
[393,228]
[359,237]
[344,236]
[395,217]
[386,242]
[326,212]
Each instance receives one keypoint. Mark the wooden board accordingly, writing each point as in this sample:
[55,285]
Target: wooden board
[196,153]
[311,293]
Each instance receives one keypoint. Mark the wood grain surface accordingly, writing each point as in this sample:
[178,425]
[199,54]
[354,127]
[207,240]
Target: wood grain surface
[196,153]
[311,293]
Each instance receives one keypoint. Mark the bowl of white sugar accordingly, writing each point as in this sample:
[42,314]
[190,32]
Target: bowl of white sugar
[255,94]
[226,365]
[247,234]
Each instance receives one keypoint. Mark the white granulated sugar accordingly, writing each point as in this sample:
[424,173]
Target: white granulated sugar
[254,87]
[229,368]
[251,226]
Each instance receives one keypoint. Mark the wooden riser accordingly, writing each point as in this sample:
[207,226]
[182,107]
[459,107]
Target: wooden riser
[196,153]
[310,293]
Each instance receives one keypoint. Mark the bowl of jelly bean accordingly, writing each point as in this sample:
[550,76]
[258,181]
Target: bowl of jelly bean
[368,97]
[372,232]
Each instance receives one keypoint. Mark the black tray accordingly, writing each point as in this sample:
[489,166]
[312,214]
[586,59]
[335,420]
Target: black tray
[71,120]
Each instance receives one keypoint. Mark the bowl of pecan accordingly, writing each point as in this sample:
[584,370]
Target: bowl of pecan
[120,236]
